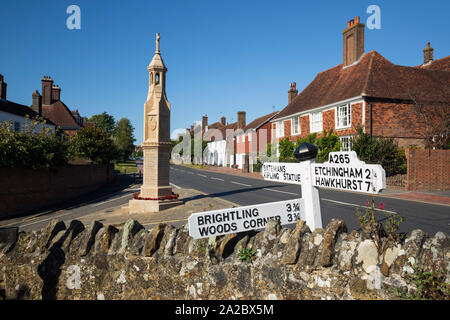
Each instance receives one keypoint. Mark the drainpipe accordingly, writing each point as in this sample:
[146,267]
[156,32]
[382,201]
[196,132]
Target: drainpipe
[370,119]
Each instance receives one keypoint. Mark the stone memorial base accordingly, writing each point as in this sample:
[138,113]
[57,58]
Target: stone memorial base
[148,206]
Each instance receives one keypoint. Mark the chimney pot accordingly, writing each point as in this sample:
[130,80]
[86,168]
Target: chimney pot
[36,105]
[428,53]
[3,87]
[241,119]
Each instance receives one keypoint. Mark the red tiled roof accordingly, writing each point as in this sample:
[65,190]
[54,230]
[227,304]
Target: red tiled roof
[373,76]
[59,114]
[255,124]
[441,65]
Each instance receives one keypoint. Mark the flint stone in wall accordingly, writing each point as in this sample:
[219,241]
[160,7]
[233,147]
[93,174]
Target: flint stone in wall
[168,241]
[411,250]
[153,240]
[49,232]
[87,238]
[137,243]
[294,243]
[129,230]
[367,255]
[75,228]
[434,252]
[333,230]
[182,241]
[104,239]
[310,252]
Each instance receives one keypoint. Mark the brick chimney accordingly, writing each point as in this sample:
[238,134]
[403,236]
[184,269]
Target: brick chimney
[223,121]
[292,93]
[2,87]
[56,93]
[204,122]
[47,84]
[241,119]
[36,106]
[353,41]
[428,54]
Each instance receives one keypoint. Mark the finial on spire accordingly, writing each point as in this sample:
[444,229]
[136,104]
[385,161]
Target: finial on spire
[157,42]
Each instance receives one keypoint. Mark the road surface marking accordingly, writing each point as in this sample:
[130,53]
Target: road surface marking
[241,184]
[295,194]
[99,204]
[175,186]
[202,175]
[356,205]
[217,179]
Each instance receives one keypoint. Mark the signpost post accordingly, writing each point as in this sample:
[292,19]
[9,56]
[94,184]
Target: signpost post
[343,171]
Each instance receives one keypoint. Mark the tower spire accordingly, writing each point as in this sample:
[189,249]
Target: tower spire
[157,42]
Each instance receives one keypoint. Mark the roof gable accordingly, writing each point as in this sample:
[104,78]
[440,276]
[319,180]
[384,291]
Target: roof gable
[59,114]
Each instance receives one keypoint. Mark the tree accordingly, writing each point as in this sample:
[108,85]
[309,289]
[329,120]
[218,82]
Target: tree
[329,142]
[433,114]
[124,138]
[103,121]
[382,151]
[92,143]
[36,146]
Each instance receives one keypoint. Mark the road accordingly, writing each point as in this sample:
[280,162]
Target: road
[431,218]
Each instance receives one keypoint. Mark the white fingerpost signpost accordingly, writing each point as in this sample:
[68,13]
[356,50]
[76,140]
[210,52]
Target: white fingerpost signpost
[299,173]
[343,171]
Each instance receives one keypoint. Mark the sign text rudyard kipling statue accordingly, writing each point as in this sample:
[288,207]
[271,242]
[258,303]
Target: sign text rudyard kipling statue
[156,193]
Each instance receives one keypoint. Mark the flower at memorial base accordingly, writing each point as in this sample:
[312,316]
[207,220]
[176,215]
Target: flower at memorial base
[381,207]
[367,204]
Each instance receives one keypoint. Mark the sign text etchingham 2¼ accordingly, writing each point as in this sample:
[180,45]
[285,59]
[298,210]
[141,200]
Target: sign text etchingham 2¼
[346,172]
[232,220]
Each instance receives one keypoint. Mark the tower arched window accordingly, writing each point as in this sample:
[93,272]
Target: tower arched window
[151,77]
[157,78]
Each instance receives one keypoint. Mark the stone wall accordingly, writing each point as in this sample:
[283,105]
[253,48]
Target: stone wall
[130,262]
[428,169]
[23,190]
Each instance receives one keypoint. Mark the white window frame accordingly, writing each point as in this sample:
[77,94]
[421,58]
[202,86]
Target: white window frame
[341,138]
[293,131]
[348,117]
[280,127]
[313,122]
[249,137]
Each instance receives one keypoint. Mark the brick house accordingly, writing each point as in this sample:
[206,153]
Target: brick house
[253,139]
[18,113]
[54,109]
[365,90]
[221,140]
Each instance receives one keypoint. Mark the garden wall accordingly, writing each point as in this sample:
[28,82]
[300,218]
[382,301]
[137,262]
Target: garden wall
[24,190]
[428,169]
[129,262]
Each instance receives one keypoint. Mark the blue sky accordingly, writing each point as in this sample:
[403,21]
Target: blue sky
[222,56]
